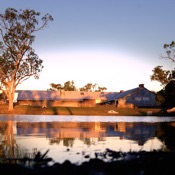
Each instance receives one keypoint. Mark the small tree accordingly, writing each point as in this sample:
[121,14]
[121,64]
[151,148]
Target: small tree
[165,76]
[166,96]
[18,60]
[170,50]
[89,87]
[68,86]
[55,87]
[160,75]
[101,89]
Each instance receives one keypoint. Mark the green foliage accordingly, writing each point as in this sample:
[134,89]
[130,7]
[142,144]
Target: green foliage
[68,86]
[160,75]
[170,94]
[165,76]
[102,89]
[160,97]
[167,95]
[89,87]
[18,60]
[170,51]
[55,87]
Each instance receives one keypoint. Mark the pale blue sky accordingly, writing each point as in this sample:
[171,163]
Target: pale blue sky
[114,43]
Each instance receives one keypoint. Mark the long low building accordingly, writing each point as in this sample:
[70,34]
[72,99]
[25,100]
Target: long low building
[136,97]
[62,98]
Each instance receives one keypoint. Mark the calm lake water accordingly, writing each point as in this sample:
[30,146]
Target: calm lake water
[78,138]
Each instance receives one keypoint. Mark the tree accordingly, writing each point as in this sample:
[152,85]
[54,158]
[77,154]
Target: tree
[55,87]
[170,50]
[165,76]
[68,86]
[89,87]
[101,89]
[18,60]
[160,75]
[166,96]
[169,91]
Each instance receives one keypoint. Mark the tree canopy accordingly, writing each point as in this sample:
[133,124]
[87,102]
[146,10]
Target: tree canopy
[166,96]
[70,86]
[89,87]
[161,75]
[18,60]
[170,50]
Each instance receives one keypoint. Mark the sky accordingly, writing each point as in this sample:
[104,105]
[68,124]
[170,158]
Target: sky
[112,43]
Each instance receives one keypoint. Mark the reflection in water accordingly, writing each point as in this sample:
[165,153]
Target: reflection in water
[8,145]
[78,141]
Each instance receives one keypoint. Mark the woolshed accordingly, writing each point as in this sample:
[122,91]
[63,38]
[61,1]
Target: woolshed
[62,98]
[136,97]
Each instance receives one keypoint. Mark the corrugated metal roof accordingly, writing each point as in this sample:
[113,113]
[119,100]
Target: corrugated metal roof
[122,94]
[126,93]
[62,95]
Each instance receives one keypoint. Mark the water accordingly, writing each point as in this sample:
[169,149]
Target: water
[76,118]
[78,138]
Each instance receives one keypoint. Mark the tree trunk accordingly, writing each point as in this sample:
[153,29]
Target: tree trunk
[10,99]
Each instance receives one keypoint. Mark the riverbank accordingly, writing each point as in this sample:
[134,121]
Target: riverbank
[101,110]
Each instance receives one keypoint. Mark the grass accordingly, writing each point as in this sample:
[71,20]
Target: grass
[101,110]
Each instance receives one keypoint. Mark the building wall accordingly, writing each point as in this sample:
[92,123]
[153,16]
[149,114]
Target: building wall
[122,104]
[143,98]
[62,98]
[45,103]
[140,98]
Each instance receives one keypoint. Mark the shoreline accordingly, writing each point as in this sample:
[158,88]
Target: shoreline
[101,110]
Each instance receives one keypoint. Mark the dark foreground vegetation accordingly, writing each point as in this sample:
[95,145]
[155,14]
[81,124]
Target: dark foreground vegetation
[101,110]
[132,163]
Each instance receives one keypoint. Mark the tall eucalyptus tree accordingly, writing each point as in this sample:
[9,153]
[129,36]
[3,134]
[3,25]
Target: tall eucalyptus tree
[18,60]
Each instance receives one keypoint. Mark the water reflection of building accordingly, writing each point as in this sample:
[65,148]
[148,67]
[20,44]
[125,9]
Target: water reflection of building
[139,132]
[62,129]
